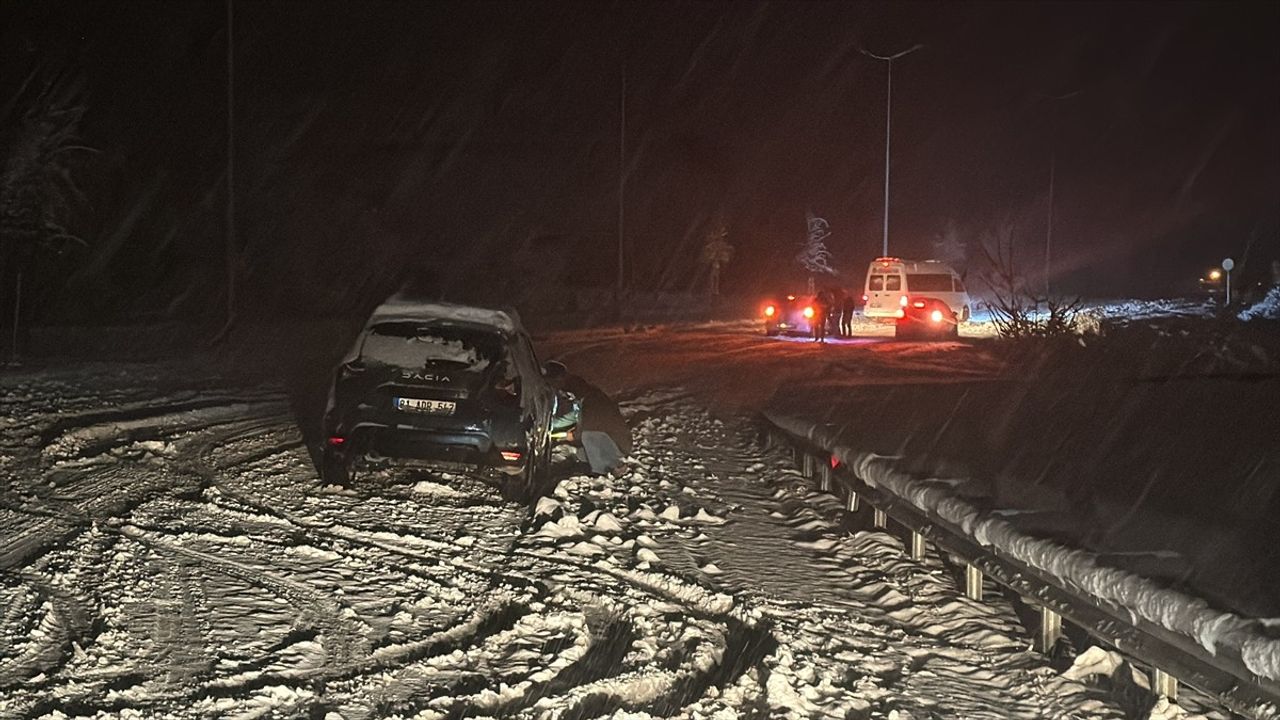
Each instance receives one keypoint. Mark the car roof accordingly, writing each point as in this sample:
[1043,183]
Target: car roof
[914,266]
[400,309]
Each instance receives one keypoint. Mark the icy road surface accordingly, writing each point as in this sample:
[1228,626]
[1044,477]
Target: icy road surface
[169,553]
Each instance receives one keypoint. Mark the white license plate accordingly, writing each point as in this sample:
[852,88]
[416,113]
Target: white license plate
[432,407]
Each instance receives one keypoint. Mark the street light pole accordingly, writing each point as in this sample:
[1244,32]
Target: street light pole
[622,185]
[1053,168]
[888,127]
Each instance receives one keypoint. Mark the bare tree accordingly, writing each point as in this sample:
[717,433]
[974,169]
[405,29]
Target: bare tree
[814,256]
[1016,310]
[38,193]
[717,252]
[948,245]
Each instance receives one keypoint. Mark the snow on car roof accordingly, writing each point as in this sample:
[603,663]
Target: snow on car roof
[402,308]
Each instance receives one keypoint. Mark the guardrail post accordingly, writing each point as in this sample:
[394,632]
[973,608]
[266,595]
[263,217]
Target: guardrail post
[1163,684]
[824,477]
[881,520]
[806,464]
[851,500]
[918,546]
[972,582]
[1050,630]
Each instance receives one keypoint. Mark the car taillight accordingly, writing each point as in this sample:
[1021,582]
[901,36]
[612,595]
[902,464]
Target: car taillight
[808,312]
[936,316]
[769,311]
[510,455]
[918,304]
[902,300]
[337,440]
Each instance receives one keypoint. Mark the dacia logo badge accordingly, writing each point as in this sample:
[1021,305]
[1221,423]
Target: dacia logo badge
[423,376]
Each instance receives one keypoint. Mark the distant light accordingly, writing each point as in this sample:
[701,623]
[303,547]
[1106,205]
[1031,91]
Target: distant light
[808,312]
[769,311]
[510,455]
[337,440]
[791,297]
[936,316]
[1215,274]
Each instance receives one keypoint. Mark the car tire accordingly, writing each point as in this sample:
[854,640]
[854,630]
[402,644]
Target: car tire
[335,468]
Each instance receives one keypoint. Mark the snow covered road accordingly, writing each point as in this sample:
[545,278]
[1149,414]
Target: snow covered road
[169,552]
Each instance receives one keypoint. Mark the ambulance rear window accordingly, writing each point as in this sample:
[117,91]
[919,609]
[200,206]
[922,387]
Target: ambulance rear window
[892,282]
[877,283]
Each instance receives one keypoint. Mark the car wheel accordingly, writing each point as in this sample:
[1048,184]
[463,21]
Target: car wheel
[335,468]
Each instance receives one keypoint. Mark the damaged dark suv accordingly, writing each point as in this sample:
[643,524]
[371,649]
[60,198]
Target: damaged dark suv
[440,384]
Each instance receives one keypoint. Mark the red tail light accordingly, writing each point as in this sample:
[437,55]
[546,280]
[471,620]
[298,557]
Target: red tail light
[510,455]
[936,316]
[769,311]
[864,297]
[337,440]
[835,462]
[902,300]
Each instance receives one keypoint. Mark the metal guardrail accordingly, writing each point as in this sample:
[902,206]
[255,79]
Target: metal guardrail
[1170,657]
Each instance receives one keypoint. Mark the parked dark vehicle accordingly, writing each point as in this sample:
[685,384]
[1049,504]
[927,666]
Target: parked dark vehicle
[927,318]
[444,385]
[788,313]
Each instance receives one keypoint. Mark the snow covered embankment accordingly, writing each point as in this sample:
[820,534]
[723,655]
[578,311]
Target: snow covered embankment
[1217,632]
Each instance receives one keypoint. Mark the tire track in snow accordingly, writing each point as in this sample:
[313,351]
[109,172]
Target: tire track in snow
[418,594]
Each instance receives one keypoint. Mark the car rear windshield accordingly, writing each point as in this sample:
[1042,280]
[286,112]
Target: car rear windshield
[415,345]
[929,282]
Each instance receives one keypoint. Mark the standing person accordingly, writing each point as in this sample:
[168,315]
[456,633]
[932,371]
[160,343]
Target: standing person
[821,314]
[846,313]
[602,433]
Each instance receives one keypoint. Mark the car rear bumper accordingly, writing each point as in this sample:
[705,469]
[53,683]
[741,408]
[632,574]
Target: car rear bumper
[378,443]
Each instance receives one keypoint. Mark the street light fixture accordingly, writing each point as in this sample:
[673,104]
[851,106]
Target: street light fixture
[888,122]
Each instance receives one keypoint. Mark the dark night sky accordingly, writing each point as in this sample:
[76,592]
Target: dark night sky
[480,140]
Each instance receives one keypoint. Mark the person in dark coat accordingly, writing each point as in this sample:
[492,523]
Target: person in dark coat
[847,306]
[821,315]
[602,432]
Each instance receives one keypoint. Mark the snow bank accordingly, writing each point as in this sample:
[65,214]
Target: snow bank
[1178,612]
[1268,308]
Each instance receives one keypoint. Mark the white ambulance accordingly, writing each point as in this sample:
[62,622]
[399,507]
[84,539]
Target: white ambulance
[893,284]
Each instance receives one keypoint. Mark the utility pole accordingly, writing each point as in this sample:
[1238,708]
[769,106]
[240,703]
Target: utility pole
[231,253]
[1048,233]
[1053,168]
[888,126]
[622,184]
